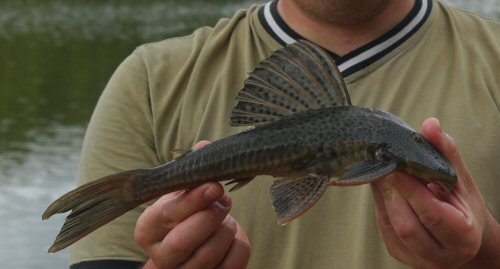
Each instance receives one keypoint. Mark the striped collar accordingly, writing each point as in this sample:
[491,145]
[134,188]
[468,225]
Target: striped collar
[360,57]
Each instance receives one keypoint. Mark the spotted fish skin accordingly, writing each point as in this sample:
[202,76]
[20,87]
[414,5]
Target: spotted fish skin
[306,134]
[319,141]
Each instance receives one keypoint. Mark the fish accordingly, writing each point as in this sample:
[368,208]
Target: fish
[301,129]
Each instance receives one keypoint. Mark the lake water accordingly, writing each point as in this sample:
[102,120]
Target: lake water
[55,58]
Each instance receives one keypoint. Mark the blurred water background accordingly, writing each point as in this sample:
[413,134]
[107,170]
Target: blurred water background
[55,58]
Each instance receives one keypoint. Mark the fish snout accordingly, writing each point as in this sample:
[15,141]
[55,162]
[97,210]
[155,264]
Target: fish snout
[444,175]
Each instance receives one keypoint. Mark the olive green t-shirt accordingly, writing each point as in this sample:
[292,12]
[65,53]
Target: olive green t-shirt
[438,62]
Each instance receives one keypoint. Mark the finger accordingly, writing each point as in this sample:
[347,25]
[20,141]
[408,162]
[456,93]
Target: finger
[201,144]
[239,253]
[432,131]
[442,220]
[215,248]
[157,220]
[394,246]
[404,220]
[181,242]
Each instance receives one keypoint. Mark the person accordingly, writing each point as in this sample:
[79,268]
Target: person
[418,59]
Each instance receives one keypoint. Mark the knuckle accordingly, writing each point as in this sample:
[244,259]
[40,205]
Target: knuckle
[166,212]
[405,230]
[177,245]
[140,237]
[141,231]
[167,220]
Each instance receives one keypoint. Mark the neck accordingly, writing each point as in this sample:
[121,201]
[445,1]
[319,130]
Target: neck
[343,28]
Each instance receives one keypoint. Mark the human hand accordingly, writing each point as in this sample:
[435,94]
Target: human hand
[424,231]
[192,229]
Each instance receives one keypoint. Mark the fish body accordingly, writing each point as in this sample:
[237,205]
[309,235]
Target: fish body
[320,141]
[306,133]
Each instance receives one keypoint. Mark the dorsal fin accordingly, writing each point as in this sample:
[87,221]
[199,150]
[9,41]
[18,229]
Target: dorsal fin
[296,78]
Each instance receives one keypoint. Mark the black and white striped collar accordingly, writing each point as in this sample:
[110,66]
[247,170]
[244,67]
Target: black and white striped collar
[363,56]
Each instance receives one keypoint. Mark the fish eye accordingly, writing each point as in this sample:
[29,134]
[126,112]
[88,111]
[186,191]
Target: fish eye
[417,138]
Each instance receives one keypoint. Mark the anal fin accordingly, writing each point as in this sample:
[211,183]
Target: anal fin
[293,197]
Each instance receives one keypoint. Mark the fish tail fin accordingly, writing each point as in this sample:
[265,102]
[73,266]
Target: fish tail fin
[94,204]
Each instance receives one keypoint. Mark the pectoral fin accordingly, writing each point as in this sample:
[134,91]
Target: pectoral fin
[365,172]
[293,197]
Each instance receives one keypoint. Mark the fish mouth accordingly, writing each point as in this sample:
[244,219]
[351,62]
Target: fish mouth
[445,178]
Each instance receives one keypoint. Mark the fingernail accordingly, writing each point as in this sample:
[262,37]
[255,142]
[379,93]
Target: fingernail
[438,123]
[230,223]
[223,204]
[225,201]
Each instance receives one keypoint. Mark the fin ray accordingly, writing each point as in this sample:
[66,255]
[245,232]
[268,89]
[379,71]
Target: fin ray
[304,91]
[293,197]
[365,172]
[334,81]
[316,74]
[92,205]
[296,78]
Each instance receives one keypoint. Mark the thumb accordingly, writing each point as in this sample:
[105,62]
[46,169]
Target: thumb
[432,131]
[201,144]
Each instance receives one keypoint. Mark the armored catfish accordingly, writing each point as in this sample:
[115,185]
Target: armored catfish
[305,133]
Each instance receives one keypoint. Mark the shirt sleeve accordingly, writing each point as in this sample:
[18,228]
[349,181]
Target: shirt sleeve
[119,137]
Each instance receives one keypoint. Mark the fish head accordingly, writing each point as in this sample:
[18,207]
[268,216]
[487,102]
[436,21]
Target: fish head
[421,159]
